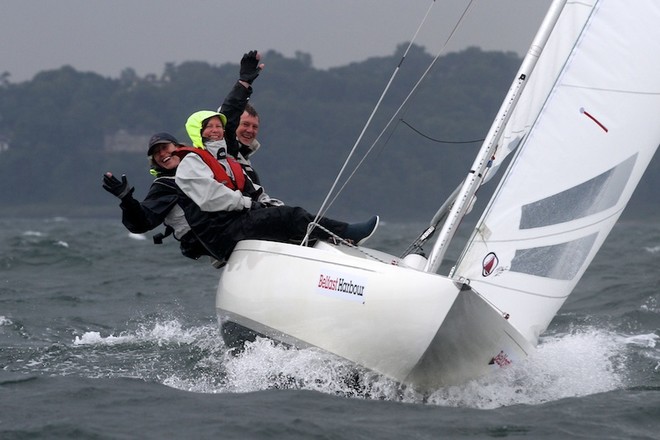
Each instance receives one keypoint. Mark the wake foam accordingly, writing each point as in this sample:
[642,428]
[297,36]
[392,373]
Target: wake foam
[165,332]
[563,366]
[581,363]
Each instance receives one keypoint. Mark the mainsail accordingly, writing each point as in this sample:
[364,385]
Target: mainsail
[593,129]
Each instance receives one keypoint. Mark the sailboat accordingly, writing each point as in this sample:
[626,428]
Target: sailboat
[578,128]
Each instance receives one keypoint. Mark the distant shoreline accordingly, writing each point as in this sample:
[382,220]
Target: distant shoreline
[114,212]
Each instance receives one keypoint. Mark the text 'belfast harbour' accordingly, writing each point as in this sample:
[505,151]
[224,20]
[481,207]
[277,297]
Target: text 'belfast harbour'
[338,284]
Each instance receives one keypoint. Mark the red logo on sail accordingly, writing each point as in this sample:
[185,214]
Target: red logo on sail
[489,264]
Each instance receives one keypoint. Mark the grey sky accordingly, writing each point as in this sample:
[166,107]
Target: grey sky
[110,35]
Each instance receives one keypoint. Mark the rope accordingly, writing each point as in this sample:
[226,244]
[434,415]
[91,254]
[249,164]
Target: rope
[438,140]
[337,239]
[466,281]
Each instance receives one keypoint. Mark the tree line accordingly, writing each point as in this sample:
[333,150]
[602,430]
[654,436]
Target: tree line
[60,131]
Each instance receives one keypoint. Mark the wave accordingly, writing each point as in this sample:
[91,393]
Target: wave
[194,359]
[159,332]
[33,234]
[652,250]
[36,248]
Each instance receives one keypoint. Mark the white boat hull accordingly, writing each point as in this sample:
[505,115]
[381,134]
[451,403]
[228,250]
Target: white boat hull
[415,327]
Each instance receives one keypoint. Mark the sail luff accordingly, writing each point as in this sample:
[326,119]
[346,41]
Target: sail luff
[477,172]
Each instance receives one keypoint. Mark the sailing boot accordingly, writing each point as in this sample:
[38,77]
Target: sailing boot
[360,232]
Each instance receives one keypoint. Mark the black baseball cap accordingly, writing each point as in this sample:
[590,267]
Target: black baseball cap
[160,138]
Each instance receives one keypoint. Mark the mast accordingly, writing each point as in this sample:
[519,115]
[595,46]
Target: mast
[477,171]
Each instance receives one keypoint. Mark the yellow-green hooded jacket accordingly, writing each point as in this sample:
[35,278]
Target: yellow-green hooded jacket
[194,125]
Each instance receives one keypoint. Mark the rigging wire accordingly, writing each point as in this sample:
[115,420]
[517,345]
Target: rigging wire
[324,208]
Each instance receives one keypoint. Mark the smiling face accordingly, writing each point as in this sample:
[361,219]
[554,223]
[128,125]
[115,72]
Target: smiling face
[163,157]
[213,130]
[248,128]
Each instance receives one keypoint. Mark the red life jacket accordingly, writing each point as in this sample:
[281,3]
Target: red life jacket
[218,170]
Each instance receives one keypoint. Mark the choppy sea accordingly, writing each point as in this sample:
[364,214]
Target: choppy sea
[104,335]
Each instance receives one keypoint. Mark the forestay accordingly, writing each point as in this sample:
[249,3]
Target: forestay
[593,129]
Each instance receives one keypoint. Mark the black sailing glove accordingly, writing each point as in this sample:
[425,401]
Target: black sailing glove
[249,67]
[119,189]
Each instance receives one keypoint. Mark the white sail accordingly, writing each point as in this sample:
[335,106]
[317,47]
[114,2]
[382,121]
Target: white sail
[578,165]
[568,28]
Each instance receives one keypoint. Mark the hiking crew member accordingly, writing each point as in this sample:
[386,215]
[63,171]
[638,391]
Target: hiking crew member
[220,216]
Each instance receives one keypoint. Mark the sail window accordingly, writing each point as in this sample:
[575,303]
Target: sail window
[560,261]
[594,195]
